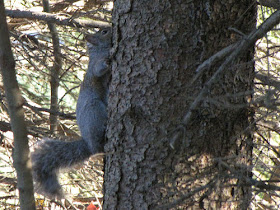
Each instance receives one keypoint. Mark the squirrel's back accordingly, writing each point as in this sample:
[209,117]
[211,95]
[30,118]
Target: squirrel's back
[92,101]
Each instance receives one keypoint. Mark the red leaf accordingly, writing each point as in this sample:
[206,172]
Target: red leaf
[91,206]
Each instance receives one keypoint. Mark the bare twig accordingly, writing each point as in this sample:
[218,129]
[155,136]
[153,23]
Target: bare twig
[270,3]
[61,114]
[240,48]
[180,200]
[58,6]
[8,180]
[210,61]
[268,80]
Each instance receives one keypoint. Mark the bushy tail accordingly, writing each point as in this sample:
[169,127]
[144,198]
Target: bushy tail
[51,155]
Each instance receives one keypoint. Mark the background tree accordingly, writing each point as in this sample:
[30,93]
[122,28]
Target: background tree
[55,70]
[21,158]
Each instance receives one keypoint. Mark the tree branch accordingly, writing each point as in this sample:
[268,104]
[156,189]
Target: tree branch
[270,3]
[9,181]
[61,114]
[239,48]
[210,61]
[57,19]
[58,6]
[268,81]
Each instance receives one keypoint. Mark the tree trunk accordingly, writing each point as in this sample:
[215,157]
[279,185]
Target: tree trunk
[21,159]
[158,46]
[55,71]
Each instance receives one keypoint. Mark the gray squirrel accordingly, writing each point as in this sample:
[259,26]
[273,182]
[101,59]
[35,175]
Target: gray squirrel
[51,155]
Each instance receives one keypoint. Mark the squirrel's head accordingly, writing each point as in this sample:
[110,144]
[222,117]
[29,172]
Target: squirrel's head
[101,39]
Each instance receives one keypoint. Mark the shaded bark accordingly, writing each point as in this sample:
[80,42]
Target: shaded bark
[15,102]
[158,46]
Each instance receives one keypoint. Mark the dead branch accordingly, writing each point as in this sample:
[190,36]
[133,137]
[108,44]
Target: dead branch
[58,6]
[210,61]
[239,48]
[57,19]
[270,3]
[40,109]
[266,80]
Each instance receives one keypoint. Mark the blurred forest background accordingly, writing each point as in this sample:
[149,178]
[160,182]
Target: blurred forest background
[49,75]
[51,61]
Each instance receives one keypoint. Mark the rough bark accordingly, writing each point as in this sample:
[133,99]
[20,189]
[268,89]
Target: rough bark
[15,102]
[158,46]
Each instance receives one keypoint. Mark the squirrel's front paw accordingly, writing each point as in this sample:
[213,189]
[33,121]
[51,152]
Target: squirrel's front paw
[102,67]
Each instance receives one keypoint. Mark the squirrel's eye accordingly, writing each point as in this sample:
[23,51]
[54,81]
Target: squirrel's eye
[103,32]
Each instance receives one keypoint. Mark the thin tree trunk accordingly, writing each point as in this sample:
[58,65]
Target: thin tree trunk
[15,102]
[55,71]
